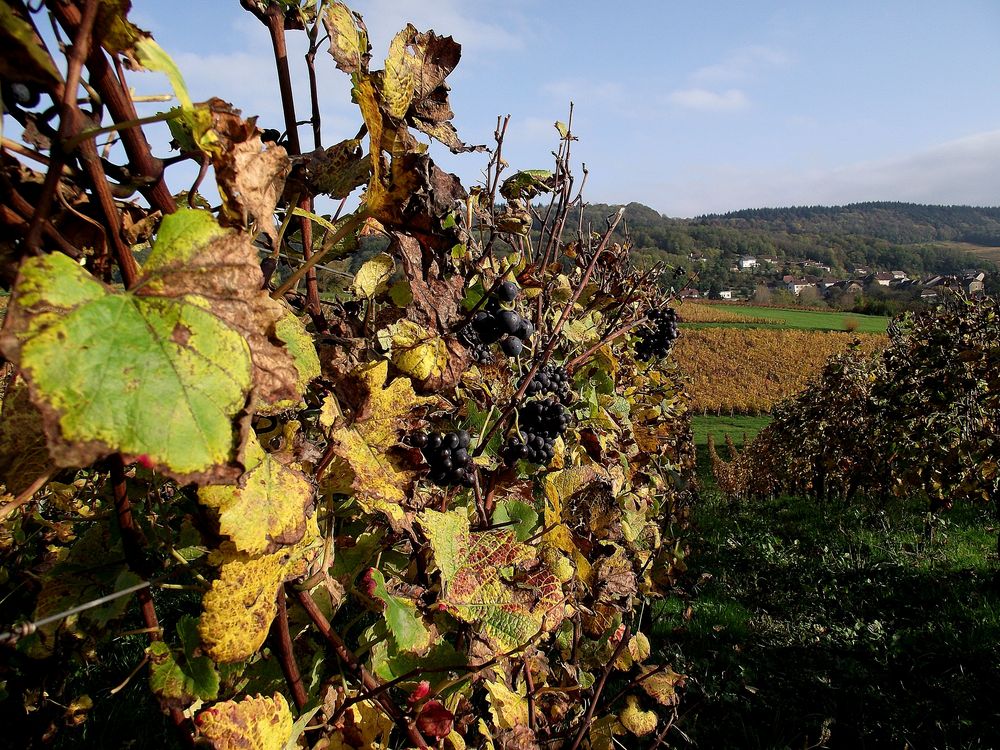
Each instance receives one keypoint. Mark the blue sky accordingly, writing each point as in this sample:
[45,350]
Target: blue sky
[689,107]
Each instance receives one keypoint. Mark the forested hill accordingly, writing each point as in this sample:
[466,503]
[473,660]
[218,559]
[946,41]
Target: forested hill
[904,223]
[914,238]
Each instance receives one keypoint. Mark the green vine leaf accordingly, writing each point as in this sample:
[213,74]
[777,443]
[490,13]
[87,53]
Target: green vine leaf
[404,622]
[268,507]
[180,679]
[161,371]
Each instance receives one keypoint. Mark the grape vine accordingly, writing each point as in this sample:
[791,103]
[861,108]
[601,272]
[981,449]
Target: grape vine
[391,476]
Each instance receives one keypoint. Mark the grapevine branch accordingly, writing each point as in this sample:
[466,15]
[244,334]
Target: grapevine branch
[599,688]
[133,544]
[368,681]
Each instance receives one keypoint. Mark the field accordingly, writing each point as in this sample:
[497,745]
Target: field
[803,625]
[737,370]
[983,251]
[822,320]
[718,427]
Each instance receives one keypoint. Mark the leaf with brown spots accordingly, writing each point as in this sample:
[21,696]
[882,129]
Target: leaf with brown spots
[267,508]
[254,723]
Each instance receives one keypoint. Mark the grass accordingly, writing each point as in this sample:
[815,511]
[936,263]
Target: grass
[736,426]
[807,625]
[809,319]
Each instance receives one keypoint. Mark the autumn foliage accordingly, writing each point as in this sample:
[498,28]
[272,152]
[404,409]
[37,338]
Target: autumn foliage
[751,370]
[919,417]
[201,453]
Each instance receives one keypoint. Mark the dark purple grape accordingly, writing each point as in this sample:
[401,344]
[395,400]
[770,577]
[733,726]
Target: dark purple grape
[509,321]
[511,346]
[508,291]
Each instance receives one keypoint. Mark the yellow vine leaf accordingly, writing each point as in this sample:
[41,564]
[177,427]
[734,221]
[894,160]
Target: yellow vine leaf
[363,726]
[401,69]
[509,709]
[254,723]
[269,505]
[635,720]
[373,276]
[240,606]
[603,731]
[416,351]
[662,686]
[348,42]
[364,466]
[559,486]
[242,601]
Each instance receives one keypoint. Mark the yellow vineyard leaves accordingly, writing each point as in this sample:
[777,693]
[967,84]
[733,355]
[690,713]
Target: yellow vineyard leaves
[251,724]
[364,466]
[751,370]
[269,505]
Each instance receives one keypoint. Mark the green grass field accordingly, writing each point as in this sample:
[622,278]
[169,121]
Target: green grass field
[842,627]
[736,426]
[800,624]
[823,320]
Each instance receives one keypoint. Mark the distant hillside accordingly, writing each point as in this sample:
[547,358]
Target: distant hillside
[913,238]
[903,223]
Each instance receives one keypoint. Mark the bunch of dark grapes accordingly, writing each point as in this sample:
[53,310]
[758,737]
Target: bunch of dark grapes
[448,456]
[551,379]
[656,339]
[472,341]
[540,423]
[495,324]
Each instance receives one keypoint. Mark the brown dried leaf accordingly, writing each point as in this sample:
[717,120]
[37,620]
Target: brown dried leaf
[250,175]
[336,171]
[24,455]
[436,301]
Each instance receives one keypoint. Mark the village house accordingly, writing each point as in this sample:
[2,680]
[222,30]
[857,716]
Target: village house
[849,286]
[974,283]
[796,286]
[883,278]
[746,262]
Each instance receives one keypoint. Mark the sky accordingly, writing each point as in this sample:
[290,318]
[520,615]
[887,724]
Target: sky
[688,107]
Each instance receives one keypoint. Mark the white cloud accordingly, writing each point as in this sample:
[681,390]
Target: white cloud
[478,33]
[740,65]
[583,91]
[964,171]
[709,101]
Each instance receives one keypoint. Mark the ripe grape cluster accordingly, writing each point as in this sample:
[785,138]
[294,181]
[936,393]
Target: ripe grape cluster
[656,339]
[495,324]
[448,456]
[551,379]
[540,423]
